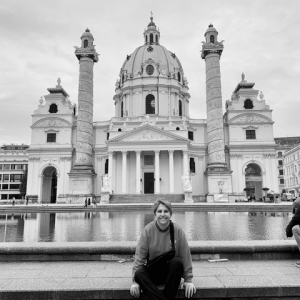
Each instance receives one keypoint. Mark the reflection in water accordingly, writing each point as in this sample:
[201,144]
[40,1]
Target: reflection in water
[127,226]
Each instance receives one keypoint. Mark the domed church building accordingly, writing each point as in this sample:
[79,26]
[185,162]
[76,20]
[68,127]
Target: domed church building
[151,147]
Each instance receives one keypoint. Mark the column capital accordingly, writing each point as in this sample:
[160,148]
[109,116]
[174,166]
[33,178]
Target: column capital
[171,151]
[138,151]
[185,152]
[156,151]
[124,152]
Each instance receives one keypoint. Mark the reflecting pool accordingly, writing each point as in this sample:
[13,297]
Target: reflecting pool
[127,226]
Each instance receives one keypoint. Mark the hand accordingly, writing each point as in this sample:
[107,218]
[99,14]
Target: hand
[135,290]
[190,289]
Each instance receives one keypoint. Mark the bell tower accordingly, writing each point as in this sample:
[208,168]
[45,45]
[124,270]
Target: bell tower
[219,177]
[82,174]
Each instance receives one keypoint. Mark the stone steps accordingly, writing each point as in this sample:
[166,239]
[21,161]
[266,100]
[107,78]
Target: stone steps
[145,198]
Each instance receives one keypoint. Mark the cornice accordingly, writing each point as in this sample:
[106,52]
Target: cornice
[44,149]
[247,146]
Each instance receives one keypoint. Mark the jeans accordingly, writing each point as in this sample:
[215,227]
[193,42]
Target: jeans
[296,233]
[170,276]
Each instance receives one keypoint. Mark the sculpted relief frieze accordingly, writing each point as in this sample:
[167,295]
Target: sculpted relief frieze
[213,103]
[51,122]
[215,72]
[214,124]
[250,119]
[146,136]
[216,157]
[212,62]
[214,113]
[215,135]
[217,145]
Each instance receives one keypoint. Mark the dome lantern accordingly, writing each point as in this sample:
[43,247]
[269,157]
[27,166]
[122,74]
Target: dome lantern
[151,34]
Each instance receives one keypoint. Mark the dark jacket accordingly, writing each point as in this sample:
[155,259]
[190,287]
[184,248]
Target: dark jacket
[295,221]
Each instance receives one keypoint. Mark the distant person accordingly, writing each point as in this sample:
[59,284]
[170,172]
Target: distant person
[89,201]
[162,237]
[85,202]
[293,227]
[94,202]
[26,200]
[13,201]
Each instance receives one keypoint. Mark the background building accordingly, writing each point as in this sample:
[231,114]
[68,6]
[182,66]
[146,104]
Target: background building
[13,163]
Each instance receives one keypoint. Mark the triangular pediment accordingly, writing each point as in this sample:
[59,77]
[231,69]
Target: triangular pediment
[51,122]
[147,133]
[249,119]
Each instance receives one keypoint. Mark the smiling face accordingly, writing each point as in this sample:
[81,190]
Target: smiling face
[162,216]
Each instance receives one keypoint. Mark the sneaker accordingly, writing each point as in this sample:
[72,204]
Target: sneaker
[297,264]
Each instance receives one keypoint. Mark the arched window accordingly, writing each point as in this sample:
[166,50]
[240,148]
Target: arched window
[279,154]
[248,104]
[85,43]
[150,104]
[156,39]
[53,109]
[179,76]
[151,37]
[180,107]
[192,165]
[122,109]
[212,39]
[146,38]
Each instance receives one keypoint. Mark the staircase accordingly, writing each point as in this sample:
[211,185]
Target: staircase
[145,198]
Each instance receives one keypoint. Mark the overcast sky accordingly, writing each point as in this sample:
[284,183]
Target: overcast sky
[37,40]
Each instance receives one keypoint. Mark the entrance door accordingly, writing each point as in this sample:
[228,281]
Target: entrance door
[148,183]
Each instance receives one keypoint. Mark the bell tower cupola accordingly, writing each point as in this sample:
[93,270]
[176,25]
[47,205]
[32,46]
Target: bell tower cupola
[87,39]
[211,34]
[151,34]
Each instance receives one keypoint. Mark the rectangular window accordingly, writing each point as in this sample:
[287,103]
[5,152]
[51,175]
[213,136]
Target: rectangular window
[12,167]
[280,172]
[191,135]
[106,167]
[6,167]
[0,177]
[4,196]
[281,181]
[19,167]
[280,162]
[250,135]
[14,186]
[5,177]
[1,166]
[51,137]
[4,186]
[15,177]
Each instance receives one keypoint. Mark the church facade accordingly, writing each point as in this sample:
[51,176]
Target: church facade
[151,146]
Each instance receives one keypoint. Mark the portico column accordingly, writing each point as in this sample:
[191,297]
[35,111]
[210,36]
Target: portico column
[138,171]
[124,171]
[110,169]
[157,174]
[171,171]
[185,161]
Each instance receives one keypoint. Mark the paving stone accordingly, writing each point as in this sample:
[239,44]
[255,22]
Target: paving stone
[15,273]
[36,284]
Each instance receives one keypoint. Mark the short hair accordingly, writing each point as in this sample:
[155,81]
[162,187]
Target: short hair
[166,203]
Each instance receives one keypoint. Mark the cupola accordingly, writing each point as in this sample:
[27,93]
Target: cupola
[211,34]
[151,34]
[87,39]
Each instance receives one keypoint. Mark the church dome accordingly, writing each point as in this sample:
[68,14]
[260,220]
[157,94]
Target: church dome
[164,62]
[87,33]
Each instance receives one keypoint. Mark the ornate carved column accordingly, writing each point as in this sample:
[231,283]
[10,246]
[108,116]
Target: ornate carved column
[157,173]
[216,170]
[171,171]
[124,171]
[138,171]
[82,175]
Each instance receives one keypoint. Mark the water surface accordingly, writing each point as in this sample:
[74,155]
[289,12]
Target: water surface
[127,226]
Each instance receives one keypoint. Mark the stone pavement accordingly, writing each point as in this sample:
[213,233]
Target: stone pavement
[236,279]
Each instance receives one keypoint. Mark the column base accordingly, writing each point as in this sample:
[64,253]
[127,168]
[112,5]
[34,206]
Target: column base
[105,197]
[219,184]
[188,197]
[81,182]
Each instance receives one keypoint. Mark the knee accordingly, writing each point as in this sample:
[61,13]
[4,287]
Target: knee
[176,262]
[296,230]
[139,274]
